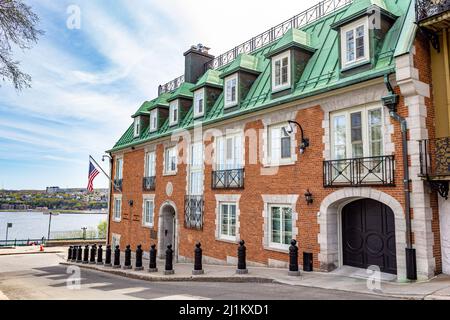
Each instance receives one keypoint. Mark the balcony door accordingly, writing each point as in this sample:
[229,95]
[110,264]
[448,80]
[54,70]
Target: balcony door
[357,144]
[229,152]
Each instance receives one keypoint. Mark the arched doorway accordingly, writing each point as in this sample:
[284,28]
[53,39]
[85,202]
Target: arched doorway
[167,229]
[368,235]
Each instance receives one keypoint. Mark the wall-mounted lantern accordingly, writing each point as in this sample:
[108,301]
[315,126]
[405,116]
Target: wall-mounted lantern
[304,141]
[309,197]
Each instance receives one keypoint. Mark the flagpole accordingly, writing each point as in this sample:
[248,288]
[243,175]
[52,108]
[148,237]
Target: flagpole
[109,178]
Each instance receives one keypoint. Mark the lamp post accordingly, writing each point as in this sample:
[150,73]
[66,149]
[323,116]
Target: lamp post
[50,214]
[304,141]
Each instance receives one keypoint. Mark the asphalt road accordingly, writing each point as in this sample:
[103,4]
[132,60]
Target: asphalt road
[39,276]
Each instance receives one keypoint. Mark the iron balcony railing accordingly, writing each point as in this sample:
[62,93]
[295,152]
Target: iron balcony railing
[149,183]
[435,157]
[228,179]
[193,212]
[357,172]
[171,85]
[429,8]
[118,184]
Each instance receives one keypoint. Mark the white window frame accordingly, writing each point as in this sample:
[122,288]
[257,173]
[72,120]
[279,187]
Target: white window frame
[174,111]
[237,161]
[197,94]
[365,129]
[137,127]
[277,159]
[153,120]
[198,168]
[276,245]
[150,168]
[352,27]
[118,172]
[228,237]
[229,104]
[280,57]
[167,160]
[117,214]
[148,199]
[227,198]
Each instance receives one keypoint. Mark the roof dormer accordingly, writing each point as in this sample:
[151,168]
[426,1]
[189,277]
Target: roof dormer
[157,110]
[206,92]
[179,103]
[289,58]
[239,77]
[362,30]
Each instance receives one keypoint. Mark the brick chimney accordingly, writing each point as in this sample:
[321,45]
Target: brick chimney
[195,59]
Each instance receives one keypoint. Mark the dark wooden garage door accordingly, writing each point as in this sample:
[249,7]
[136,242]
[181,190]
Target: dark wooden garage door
[368,229]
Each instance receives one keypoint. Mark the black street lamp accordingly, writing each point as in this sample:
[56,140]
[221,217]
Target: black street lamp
[304,141]
[50,214]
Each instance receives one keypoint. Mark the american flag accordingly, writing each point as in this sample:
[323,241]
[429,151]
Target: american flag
[93,172]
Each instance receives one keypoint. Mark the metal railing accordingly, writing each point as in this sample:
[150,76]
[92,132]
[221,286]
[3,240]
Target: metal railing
[149,183]
[171,85]
[429,8]
[43,241]
[435,157]
[312,14]
[359,172]
[118,183]
[193,212]
[228,179]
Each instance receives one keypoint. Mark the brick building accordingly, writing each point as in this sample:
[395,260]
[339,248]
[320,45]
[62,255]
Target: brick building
[296,134]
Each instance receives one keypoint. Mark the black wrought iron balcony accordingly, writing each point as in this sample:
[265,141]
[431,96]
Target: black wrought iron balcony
[149,183]
[118,184]
[228,179]
[357,172]
[193,212]
[426,9]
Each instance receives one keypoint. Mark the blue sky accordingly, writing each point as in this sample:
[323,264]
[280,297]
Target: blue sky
[87,82]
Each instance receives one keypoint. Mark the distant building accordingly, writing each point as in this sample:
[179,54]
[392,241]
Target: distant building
[52,190]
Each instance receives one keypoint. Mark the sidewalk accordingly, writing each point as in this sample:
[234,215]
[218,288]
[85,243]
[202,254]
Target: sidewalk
[29,250]
[437,288]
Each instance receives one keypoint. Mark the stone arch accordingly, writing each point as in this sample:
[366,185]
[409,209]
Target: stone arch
[329,222]
[162,211]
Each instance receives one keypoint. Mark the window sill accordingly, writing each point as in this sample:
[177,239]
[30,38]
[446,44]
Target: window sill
[281,89]
[286,250]
[354,65]
[279,164]
[200,115]
[231,105]
[117,220]
[227,240]
[148,226]
[169,174]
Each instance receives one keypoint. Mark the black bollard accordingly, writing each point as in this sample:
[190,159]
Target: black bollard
[74,254]
[139,266]
[93,254]
[108,256]
[69,254]
[198,268]
[307,261]
[169,261]
[153,252]
[242,265]
[79,254]
[117,258]
[86,255]
[100,255]
[293,259]
[127,258]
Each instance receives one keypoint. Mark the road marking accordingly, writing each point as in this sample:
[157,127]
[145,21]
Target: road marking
[182,297]
[128,290]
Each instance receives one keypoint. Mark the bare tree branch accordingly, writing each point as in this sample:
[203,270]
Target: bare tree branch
[17,28]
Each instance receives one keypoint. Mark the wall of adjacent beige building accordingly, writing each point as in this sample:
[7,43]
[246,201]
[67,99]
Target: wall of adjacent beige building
[441,84]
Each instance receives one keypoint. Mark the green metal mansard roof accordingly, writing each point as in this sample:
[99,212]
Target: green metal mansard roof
[321,74]
[211,78]
[292,38]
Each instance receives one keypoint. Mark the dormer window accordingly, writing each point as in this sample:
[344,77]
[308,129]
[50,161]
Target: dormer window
[199,103]
[231,84]
[355,43]
[137,127]
[173,112]
[154,120]
[281,72]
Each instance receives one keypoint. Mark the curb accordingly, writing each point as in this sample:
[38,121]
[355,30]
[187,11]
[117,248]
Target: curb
[119,272]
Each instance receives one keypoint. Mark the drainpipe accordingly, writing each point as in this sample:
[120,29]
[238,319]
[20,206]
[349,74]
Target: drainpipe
[391,101]
[109,200]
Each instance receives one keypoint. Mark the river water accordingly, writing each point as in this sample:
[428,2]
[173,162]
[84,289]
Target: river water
[34,225]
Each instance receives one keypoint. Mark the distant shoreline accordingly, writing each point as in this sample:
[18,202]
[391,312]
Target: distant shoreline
[58,211]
